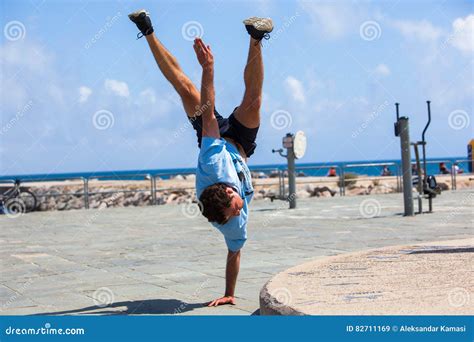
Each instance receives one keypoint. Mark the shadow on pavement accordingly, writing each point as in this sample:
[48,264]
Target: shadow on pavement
[256,313]
[139,307]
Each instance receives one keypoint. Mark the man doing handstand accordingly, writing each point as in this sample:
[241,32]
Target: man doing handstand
[223,181]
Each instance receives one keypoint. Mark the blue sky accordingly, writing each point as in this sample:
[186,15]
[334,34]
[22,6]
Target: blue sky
[80,93]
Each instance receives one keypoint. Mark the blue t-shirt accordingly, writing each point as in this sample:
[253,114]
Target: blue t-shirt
[220,162]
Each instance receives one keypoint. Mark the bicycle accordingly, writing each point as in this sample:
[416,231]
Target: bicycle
[16,201]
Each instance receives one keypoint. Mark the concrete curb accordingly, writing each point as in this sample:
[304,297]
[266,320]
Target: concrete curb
[339,285]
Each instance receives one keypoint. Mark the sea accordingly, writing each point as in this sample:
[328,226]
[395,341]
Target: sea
[362,168]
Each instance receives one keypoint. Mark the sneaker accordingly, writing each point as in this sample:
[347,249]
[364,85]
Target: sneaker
[259,28]
[142,19]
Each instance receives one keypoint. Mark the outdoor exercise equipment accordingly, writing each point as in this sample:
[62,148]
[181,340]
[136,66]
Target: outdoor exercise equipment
[426,185]
[402,131]
[295,145]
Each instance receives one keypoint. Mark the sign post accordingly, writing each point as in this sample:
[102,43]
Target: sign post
[295,145]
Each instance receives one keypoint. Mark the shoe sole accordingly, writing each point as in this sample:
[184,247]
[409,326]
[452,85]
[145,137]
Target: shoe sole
[260,24]
[136,14]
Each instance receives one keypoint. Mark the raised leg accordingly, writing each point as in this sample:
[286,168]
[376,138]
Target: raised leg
[248,113]
[170,68]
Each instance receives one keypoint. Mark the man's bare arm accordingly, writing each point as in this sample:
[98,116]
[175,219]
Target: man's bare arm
[204,55]
[231,273]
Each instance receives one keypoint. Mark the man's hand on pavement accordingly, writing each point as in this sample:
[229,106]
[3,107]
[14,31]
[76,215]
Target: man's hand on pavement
[222,301]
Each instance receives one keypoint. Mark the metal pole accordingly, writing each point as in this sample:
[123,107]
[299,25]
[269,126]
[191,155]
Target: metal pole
[341,191]
[342,178]
[291,178]
[421,182]
[425,174]
[86,193]
[453,176]
[398,178]
[153,189]
[283,186]
[406,165]
[280,192]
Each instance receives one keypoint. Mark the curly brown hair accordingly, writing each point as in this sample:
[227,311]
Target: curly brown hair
[214,200]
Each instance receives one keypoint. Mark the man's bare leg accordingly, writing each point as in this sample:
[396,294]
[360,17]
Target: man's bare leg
[170,68]
[248,112]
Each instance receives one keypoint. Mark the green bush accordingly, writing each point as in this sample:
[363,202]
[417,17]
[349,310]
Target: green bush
[350,179]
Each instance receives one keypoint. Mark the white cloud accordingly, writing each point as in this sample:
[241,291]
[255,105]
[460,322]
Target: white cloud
[419,30]
[23,64]
[334,19]
[327,106]
[84,93]
[382,70]
[36,60]
[147,96]
[463,33]
[327,18]
[28,75]
[118,88]
[295,89]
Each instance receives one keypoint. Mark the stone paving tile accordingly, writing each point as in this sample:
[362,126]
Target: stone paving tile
[154,259]
[22,311]
[6,292]
[50,299]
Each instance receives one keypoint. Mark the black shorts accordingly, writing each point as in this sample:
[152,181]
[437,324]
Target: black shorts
[230,128]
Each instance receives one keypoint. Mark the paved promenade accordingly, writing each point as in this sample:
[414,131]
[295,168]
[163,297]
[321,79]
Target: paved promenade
[167,259]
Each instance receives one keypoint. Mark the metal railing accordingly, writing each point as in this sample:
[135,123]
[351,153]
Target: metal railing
[270,172]
[145,176]
[339,171]
[155,178]
[364,177]
[447,162]
[454,173]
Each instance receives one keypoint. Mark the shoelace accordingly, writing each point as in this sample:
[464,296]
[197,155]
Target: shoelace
[265,36]
[140,35]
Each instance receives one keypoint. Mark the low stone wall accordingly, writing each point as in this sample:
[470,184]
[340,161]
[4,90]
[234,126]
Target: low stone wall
[102,194]
[422,279]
